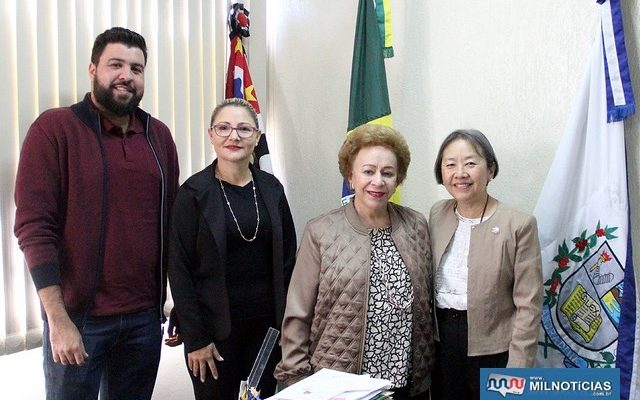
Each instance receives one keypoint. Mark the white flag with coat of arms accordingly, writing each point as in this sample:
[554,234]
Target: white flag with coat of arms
[590,304]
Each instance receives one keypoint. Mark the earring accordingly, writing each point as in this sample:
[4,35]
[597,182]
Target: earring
[351,187]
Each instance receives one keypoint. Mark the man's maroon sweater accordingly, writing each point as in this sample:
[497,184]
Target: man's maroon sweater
[61,200]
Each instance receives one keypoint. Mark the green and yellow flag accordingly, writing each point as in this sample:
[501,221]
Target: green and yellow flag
[383,13]
[369,95]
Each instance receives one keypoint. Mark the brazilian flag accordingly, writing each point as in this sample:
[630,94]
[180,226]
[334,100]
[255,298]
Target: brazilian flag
[369,95]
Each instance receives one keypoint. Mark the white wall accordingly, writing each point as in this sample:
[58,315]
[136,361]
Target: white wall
[509,68]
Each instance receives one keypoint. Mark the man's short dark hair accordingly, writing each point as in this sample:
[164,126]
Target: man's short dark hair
[117,35]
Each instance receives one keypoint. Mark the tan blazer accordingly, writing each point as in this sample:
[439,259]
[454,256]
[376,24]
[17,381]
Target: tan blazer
[504,293]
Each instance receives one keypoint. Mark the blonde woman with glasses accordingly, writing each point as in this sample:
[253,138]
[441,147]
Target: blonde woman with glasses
[232,250]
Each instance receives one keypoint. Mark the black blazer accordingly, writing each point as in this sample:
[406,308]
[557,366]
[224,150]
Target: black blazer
[197,255]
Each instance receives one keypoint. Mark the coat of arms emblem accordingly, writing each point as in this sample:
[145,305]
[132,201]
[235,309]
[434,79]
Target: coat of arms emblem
[583,299]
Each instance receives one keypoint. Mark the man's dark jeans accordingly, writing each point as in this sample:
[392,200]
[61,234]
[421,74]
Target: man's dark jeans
[124,353]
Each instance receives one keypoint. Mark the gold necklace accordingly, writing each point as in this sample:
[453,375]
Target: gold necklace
[400,305]
[392,300]
[255,200]
[382,262]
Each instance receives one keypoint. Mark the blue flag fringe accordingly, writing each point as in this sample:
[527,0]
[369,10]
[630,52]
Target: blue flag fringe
[620,101]
[628,315]
[621,105]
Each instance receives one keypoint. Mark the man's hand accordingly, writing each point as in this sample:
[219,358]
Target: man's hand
[173,340]
[66,342]
[173,331]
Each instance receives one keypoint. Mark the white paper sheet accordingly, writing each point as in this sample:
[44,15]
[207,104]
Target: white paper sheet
[328,384]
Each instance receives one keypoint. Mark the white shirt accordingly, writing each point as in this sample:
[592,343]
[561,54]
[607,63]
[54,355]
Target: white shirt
[451,276]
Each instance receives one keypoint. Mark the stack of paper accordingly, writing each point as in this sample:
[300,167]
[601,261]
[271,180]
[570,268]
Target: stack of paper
[328,384]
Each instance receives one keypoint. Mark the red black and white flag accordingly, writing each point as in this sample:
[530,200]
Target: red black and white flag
[239,82]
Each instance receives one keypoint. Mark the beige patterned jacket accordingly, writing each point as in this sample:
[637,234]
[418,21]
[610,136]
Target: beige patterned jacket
[324,322]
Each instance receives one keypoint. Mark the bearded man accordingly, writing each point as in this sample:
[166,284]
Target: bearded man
[94,187]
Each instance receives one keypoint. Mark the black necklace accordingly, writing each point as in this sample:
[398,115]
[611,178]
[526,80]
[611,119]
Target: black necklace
[485,208]
[455,208]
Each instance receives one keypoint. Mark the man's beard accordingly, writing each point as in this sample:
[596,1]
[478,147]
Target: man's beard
[107,99]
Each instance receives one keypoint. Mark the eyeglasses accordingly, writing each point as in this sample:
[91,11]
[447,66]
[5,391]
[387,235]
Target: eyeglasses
[224,130]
